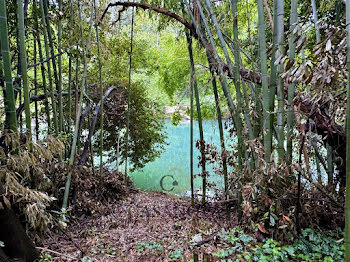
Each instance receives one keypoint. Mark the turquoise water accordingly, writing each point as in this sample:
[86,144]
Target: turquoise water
[171,171]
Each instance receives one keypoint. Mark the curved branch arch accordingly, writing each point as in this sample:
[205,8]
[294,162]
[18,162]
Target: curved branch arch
[246,74]
[331,133]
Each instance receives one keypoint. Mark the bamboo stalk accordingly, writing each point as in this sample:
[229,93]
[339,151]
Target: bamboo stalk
[273,72]
[234,71]
[23,58]
[35,83]
[128,97]
[54,66]
[221,134]
[239,104]
[101,95]
[188,38]
[315,16]
[215,60]
[347,126]
[330,165]
[280,85]
[42,67]
[291,87]
[10,109]
[70,65]
[80,104]
[49,73]
[194,85]
[59,47]
[264,83]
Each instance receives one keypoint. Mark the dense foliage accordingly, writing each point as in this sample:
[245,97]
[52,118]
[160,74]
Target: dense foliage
[94,76]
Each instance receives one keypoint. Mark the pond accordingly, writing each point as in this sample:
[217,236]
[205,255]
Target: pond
[171,171]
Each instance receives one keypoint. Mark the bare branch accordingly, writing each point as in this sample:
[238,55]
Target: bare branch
[268,10]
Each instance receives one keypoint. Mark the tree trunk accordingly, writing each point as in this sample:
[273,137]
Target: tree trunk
[9,101]
[200,124]
[347,198]
[291,87]
[49,73]
[267,134]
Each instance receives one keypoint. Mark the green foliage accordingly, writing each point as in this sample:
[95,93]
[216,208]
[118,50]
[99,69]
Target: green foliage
[176,254]
[146,138]
[151,245]
[176,118]
[104,249]
[46,257]
[312,246]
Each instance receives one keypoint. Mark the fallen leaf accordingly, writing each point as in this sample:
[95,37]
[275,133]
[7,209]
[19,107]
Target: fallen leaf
[7,202]
[262,229]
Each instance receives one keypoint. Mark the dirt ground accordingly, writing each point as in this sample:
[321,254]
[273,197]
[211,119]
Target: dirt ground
[145,226]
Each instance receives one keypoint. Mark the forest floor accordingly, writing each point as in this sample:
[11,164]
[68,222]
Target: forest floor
[144,226]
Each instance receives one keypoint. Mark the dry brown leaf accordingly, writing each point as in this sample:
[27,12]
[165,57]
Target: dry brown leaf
[7,202]
[262,229]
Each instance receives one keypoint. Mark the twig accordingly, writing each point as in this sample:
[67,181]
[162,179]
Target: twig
[204,241]
[45,249]
[318,155]
[119,15]
[268,10]
[54,56]
[324,191]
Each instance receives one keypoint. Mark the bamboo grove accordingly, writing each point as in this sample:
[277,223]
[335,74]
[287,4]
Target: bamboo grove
[281,82]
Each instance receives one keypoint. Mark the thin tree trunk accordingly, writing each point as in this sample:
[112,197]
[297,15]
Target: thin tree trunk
[221,133]
[330,165]
[118,151]
[76,84]
[128,97]
[280,85]
[347,126]
[291,87]
[42,67]
[47,51]
[35,85]
[200,124]
[240,104]
[82,90]
[314,14]
[101,96]
[92,125]
[70,64]
[265,87]
[9,101]
[233,71]
[188,36]
[54,66]
[215,60]
[191,145]
[59,44]
[23,57]
[20,116]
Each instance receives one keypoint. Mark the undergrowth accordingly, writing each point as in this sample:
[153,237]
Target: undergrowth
[311,246]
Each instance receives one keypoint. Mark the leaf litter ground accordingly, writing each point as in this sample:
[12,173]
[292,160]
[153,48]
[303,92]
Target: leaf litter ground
[145,226]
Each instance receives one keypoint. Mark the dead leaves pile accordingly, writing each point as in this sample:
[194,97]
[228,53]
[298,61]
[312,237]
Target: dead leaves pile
[24,178]
[120,233]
